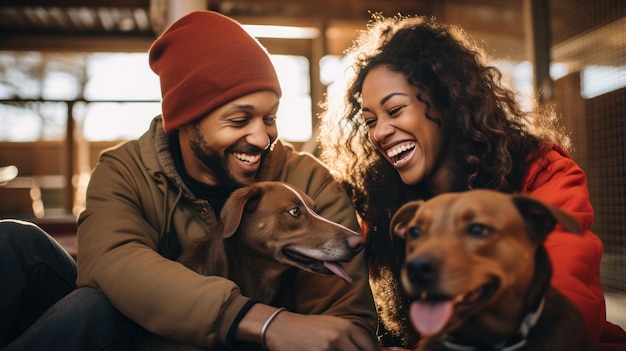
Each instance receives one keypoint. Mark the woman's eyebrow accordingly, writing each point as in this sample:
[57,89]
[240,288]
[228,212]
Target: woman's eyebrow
[386,98]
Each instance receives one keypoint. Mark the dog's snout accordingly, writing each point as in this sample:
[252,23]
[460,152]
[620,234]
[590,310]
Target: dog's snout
[421,271]
[355,242]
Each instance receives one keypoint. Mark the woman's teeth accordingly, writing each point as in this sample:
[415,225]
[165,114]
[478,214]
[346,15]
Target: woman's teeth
[398,149]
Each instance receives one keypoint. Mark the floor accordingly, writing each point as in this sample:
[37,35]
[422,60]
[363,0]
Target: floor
[616,308]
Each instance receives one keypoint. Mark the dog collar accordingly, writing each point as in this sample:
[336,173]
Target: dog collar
[515,343]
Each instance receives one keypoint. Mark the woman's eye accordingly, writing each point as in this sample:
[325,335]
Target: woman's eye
[394,111]
[295,212]
[369,121]
[479,230]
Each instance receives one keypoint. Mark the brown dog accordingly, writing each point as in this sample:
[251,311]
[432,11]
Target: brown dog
[478,274]
[265,229]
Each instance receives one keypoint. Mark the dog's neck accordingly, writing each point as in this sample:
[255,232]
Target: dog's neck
[245,270]
[516,342]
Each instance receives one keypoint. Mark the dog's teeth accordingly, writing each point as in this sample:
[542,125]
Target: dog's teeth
[459,298]
[424,295]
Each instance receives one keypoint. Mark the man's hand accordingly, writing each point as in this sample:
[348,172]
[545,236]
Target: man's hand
[292,332]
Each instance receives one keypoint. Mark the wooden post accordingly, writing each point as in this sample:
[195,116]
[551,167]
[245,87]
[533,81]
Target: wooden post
[70,156]
[538,41]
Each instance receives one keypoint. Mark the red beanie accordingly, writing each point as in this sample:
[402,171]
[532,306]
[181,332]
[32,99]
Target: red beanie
[205,60]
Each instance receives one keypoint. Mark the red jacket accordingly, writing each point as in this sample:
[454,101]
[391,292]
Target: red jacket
[556,179]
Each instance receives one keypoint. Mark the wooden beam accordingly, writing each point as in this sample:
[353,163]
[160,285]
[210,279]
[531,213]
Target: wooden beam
[76,3]
[76,43]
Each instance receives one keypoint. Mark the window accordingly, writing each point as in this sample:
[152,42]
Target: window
[122,95]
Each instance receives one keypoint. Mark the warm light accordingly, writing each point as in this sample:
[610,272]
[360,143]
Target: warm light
[284,32]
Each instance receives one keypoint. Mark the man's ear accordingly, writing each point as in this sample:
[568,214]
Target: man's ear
[401,218]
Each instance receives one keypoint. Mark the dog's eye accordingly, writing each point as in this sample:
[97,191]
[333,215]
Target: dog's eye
[414,232]
[479,230]
[295,212]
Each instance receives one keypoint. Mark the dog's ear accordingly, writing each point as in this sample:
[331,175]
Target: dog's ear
[244,199]
[402,217]
[542,218]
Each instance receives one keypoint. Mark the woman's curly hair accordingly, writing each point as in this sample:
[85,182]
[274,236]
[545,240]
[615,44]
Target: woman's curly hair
[485,129]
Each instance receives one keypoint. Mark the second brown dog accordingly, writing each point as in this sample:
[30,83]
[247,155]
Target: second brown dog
[479,276]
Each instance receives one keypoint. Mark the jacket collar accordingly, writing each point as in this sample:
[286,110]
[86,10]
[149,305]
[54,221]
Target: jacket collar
[273,162]
[154,146]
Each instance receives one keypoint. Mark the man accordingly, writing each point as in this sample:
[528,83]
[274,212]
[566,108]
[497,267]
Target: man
[151,198]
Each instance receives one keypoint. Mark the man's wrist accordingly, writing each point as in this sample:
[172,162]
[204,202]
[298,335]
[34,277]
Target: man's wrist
[267,324]
[250,327]
[230,336]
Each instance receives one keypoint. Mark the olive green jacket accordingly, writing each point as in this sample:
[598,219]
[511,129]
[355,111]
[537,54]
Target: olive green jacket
[135,198]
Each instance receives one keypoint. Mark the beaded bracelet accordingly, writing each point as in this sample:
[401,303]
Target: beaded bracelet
[267,324]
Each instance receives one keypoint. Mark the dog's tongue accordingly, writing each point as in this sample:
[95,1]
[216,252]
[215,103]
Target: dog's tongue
[430,317]
[338,269]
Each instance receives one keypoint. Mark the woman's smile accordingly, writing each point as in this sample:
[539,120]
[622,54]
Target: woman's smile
[401,154]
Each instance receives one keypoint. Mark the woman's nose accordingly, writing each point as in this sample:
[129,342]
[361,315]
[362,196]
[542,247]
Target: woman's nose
[382,130]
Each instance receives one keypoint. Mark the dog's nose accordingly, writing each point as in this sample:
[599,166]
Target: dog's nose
[355,242]
[421,271]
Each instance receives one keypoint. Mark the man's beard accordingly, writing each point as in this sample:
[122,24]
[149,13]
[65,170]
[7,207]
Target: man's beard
[212,160]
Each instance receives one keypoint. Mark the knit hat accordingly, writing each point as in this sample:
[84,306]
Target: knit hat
[205,60]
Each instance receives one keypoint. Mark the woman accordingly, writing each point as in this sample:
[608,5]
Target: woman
[424,114]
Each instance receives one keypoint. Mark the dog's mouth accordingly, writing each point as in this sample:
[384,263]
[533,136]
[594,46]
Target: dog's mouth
[430,313]
[316,266]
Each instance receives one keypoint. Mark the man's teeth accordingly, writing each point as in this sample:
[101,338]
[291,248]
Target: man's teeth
[247,157]
[396,150]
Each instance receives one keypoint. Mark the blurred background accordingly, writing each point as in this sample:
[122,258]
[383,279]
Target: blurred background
[74,79]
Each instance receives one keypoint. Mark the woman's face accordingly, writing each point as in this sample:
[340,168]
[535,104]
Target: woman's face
[398,126]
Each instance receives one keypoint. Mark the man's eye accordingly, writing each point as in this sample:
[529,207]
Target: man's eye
[239,120]
[270,120]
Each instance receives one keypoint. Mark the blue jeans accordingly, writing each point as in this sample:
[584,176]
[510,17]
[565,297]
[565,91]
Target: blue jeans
[40,307]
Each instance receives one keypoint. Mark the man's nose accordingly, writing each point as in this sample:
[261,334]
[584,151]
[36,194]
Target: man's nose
[259,136]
